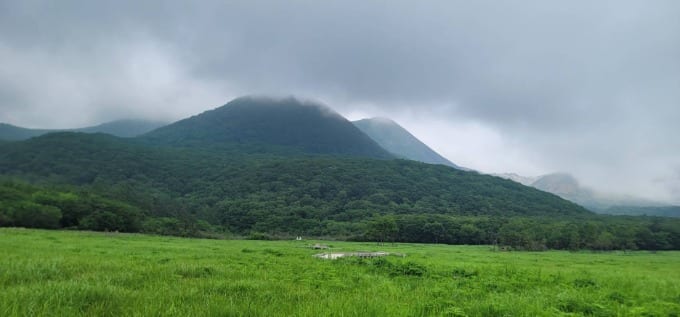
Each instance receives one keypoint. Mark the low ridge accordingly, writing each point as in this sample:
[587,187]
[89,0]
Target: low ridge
[121,128]
[10,132]
[126,128]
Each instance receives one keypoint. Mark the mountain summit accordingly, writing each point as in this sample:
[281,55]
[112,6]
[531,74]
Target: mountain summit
[298,125]
[397,140]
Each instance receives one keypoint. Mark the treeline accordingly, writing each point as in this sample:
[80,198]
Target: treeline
[536,234]
[23,205]
[27,206]
[30,206]
[664,211]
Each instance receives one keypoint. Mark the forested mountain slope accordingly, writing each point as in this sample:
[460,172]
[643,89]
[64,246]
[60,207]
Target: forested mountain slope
[289,195]
[303,126]
[84,159]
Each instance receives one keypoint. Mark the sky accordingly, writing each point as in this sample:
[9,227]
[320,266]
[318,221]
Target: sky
[591,88]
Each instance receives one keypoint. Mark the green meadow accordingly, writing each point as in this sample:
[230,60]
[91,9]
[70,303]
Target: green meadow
[69,273]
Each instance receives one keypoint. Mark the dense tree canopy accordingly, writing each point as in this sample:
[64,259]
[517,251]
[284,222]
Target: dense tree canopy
[99,182]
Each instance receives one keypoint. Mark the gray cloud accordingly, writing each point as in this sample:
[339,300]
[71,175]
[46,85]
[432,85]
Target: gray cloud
[590,87]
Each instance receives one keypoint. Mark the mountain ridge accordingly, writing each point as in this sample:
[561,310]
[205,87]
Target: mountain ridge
[307,126]
[399,141]
[568,187]
[120,128]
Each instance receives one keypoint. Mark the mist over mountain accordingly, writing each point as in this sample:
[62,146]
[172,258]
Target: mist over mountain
[332,180]
[277,168]
[398,141]
[10,132]
[124,128]
[568,187]
[560,184]
[358,138]
[529,86]
[120,128]
[285,122]
[524,180]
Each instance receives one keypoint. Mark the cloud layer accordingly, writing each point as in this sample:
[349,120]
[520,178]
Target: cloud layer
[588,87]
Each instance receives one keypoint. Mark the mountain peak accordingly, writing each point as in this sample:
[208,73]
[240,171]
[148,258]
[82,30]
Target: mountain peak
[524,180]
[397,140]
[297,124]
[378,120]
[558,183]
[253,103]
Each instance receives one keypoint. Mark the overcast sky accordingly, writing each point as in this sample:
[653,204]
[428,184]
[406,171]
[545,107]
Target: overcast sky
[532,87]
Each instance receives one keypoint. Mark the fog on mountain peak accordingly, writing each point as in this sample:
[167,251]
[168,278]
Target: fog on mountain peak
[584,87]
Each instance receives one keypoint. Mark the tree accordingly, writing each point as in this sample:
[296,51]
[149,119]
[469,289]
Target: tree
[32,215]
[435,231]
[382,229]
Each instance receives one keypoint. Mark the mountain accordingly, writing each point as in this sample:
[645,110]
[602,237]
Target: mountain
[189,179]
[568,187]
[336,183]
[524,180]
[304,194]
[124,128]
[561,184]
[80,158]
[661,211]
[287,123]
[101,182]
[398,141]
[121,128]
[9,132]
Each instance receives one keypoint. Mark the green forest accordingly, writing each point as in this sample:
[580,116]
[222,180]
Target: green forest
[100,182]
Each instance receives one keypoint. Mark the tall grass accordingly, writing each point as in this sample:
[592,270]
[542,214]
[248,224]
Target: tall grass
[57,273]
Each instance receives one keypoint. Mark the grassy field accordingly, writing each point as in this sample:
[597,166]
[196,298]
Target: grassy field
[58,273]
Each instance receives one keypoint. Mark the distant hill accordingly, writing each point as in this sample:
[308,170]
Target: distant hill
[662,211]
[10,132]
[120,128]
[124,128]
[561,184]
[290,123]
[398,141]
[524,180]
[568,187]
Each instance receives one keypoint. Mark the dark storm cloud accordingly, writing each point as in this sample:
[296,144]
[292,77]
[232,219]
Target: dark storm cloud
[591,87]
